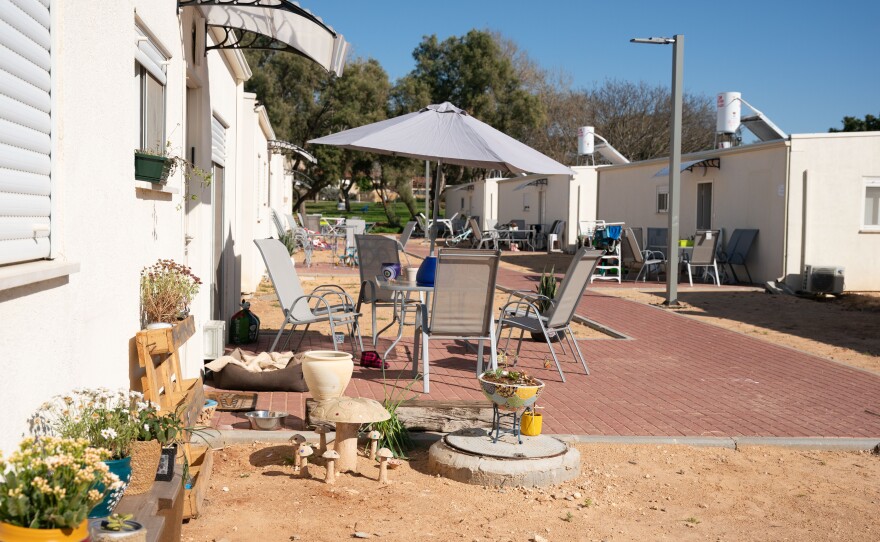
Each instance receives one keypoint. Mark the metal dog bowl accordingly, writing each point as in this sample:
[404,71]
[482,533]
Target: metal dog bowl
[265,420]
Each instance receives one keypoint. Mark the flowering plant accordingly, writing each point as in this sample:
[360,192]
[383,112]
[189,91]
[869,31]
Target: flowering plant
[154,425]
[167,288]
[52,483]
[106,419]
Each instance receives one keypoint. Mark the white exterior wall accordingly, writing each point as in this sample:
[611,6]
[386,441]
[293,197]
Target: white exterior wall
[826,207]
[257,196]
[480,201]
[512,203]
[582,199]
[78,331]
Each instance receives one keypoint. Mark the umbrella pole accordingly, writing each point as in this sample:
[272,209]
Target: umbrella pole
[438,188]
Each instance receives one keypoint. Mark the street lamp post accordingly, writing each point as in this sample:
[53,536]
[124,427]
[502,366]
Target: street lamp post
[674,161]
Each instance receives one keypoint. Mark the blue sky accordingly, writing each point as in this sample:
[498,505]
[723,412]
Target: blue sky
[805,64]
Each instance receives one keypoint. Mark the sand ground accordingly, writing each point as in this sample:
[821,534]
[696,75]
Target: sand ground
[625,492]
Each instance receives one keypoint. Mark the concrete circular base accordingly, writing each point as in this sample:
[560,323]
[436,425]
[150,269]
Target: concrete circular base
[470,456]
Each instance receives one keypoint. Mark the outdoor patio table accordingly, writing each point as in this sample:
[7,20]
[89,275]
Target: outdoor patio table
[526,237]
[403,289]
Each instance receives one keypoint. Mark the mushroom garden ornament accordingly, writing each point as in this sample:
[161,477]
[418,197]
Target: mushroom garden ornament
[331,456]
[374,442]
[384,455]
[349,413]
[304,452]
[297,440]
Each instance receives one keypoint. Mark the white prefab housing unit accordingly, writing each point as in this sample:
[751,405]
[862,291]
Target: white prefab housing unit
[543,199]
[812,198]
[88,83]
[479,199]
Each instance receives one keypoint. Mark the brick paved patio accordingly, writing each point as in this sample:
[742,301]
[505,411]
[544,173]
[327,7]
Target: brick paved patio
[673,376]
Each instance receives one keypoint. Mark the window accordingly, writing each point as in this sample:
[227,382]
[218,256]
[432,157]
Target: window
[150,74]
[871,217]
[662,199]
[25,131]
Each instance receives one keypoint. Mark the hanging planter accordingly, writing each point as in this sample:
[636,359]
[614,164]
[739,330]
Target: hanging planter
[151,167]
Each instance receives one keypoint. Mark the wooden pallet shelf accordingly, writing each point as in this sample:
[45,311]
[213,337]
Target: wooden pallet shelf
[163,384]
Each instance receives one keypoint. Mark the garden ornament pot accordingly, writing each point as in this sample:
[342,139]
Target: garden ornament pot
[530,423]
[326,372]
[122,469]
[13,533]
[145,456]
[511,397]
[98,532]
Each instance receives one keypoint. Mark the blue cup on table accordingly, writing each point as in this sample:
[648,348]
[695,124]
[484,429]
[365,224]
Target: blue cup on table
[391,271]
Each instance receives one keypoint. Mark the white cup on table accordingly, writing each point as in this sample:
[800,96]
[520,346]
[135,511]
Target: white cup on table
[411,273]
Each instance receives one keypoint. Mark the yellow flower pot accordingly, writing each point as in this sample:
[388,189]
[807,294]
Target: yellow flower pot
[530,424]
[13,533]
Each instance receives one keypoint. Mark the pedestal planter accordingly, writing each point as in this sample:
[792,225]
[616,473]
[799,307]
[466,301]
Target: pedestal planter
[98,532]
[149,167]
[12,533]
[145,457]
[122,469]
[511,397]
[327,373]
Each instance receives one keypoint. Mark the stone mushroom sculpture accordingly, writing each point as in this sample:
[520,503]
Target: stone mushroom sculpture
[374,442]
[331,456]
[304,452]
[297,440]
[322,438]
[384,455]
[348,413]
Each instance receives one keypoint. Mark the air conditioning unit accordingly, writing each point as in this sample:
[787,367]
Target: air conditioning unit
[215,339]
[823,280]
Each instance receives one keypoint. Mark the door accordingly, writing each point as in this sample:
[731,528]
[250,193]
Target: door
[704,206]
[217,310]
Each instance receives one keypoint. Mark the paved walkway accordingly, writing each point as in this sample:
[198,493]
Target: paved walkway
[673,376]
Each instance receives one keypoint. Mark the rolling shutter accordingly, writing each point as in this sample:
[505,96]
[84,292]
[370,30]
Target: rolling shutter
[25,130]
[218,142]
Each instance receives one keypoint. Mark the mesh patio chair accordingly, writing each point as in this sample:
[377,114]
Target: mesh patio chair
[525,315]
[406,234]
[705,254]
[291,221]
[329,302]
[374,251]
[279,223]
[489,237]
[737,251]
[462,305]
[634,257]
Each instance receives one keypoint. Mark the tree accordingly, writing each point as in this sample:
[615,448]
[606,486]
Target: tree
[475,73]
[304,102]
[854,124]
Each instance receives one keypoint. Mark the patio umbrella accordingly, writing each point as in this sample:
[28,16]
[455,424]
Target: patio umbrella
[447,135]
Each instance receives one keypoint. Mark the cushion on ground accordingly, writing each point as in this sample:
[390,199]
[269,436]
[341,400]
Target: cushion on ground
[234,377]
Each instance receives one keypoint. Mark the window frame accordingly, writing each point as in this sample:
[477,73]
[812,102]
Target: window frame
[662,191]
[868,182]
[143,102]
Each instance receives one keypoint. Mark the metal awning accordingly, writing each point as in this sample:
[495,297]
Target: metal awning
[534,182]
[279,146]
[280,25]
[705,163]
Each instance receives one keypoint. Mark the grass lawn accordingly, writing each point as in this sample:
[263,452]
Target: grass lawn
[370,212]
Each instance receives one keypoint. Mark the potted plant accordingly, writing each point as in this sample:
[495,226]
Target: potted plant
[167,288]
[48,487]
[156,431]
[106,419]
[510,390]
[116,528]
[546,290]
[157,164]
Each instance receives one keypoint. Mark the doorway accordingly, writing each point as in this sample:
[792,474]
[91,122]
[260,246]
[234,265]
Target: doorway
[704,206]
[218,233]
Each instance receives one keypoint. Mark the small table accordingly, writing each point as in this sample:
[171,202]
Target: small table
[403,288]
[516,236]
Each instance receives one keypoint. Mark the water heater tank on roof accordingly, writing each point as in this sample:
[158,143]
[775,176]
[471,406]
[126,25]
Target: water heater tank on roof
[585,140]
[729,105]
